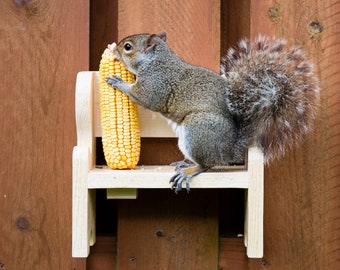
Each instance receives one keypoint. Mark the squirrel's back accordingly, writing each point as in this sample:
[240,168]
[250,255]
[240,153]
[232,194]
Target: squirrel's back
[273,94]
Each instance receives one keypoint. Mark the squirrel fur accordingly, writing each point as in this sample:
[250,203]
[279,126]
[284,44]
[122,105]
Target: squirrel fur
[267,96]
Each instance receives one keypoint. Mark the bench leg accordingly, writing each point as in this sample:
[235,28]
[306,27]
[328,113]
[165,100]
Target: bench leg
[254,205]
[83,205]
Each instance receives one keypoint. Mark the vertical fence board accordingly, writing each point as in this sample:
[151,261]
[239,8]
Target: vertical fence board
[232,254]
[193,30]
[103,28]
[43,45]
[161,230]
[235,23]
[302,191]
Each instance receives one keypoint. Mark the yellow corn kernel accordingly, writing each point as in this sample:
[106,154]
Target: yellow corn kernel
[119,117]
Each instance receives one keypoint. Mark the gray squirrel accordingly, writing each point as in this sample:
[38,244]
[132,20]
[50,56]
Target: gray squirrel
[267,96]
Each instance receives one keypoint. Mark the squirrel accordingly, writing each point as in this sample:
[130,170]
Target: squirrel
[267,96]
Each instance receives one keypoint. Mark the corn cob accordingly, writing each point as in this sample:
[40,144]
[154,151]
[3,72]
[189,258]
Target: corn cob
[119,118]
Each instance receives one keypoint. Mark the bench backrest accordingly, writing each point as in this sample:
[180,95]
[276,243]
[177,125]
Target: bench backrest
[87,110]
[151,124]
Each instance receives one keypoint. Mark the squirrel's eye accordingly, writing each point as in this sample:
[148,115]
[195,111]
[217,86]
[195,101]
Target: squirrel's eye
[127,47]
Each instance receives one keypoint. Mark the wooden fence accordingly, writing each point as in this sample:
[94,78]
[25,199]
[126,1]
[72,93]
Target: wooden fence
[43,44]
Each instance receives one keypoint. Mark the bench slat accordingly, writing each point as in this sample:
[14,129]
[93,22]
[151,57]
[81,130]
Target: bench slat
[155,177]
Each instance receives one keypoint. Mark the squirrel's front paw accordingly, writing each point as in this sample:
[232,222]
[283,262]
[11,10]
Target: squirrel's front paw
[115,81]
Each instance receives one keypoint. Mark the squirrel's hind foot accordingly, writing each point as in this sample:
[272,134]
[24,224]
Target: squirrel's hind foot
[184,173]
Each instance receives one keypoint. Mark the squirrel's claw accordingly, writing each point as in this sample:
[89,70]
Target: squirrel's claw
[184,174]
[177,180]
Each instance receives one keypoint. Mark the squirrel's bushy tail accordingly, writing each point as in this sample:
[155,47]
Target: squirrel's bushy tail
[273,93]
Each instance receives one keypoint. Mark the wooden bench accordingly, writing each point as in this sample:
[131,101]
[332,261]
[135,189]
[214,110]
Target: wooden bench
[87,176]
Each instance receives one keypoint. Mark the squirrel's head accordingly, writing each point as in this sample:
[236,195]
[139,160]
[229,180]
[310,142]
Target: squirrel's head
[138,49]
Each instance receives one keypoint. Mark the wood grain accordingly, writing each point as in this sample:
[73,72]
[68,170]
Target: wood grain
[193,30]
[162,230]
[235,23]
[103,254]
[43,45]
[232,254]
[103,28]
[302,201]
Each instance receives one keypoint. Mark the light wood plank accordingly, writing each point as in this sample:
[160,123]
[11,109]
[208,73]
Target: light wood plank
[253,234]
[121,193]
[80,199]
[159,176]
[84,112]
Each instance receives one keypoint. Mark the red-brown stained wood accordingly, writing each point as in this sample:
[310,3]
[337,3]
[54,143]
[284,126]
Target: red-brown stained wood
[79,264]
[193,29]
[302,191]
[103,28]
[232,254]
[235,23]
[162,230]
[103,254]
[43,46]
[159,151]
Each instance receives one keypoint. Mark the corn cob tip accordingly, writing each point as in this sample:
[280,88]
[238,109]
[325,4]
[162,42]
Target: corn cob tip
[111,46]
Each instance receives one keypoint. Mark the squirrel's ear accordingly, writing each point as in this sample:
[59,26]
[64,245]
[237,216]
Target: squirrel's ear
[152,39]
[150,43]
[162,35]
